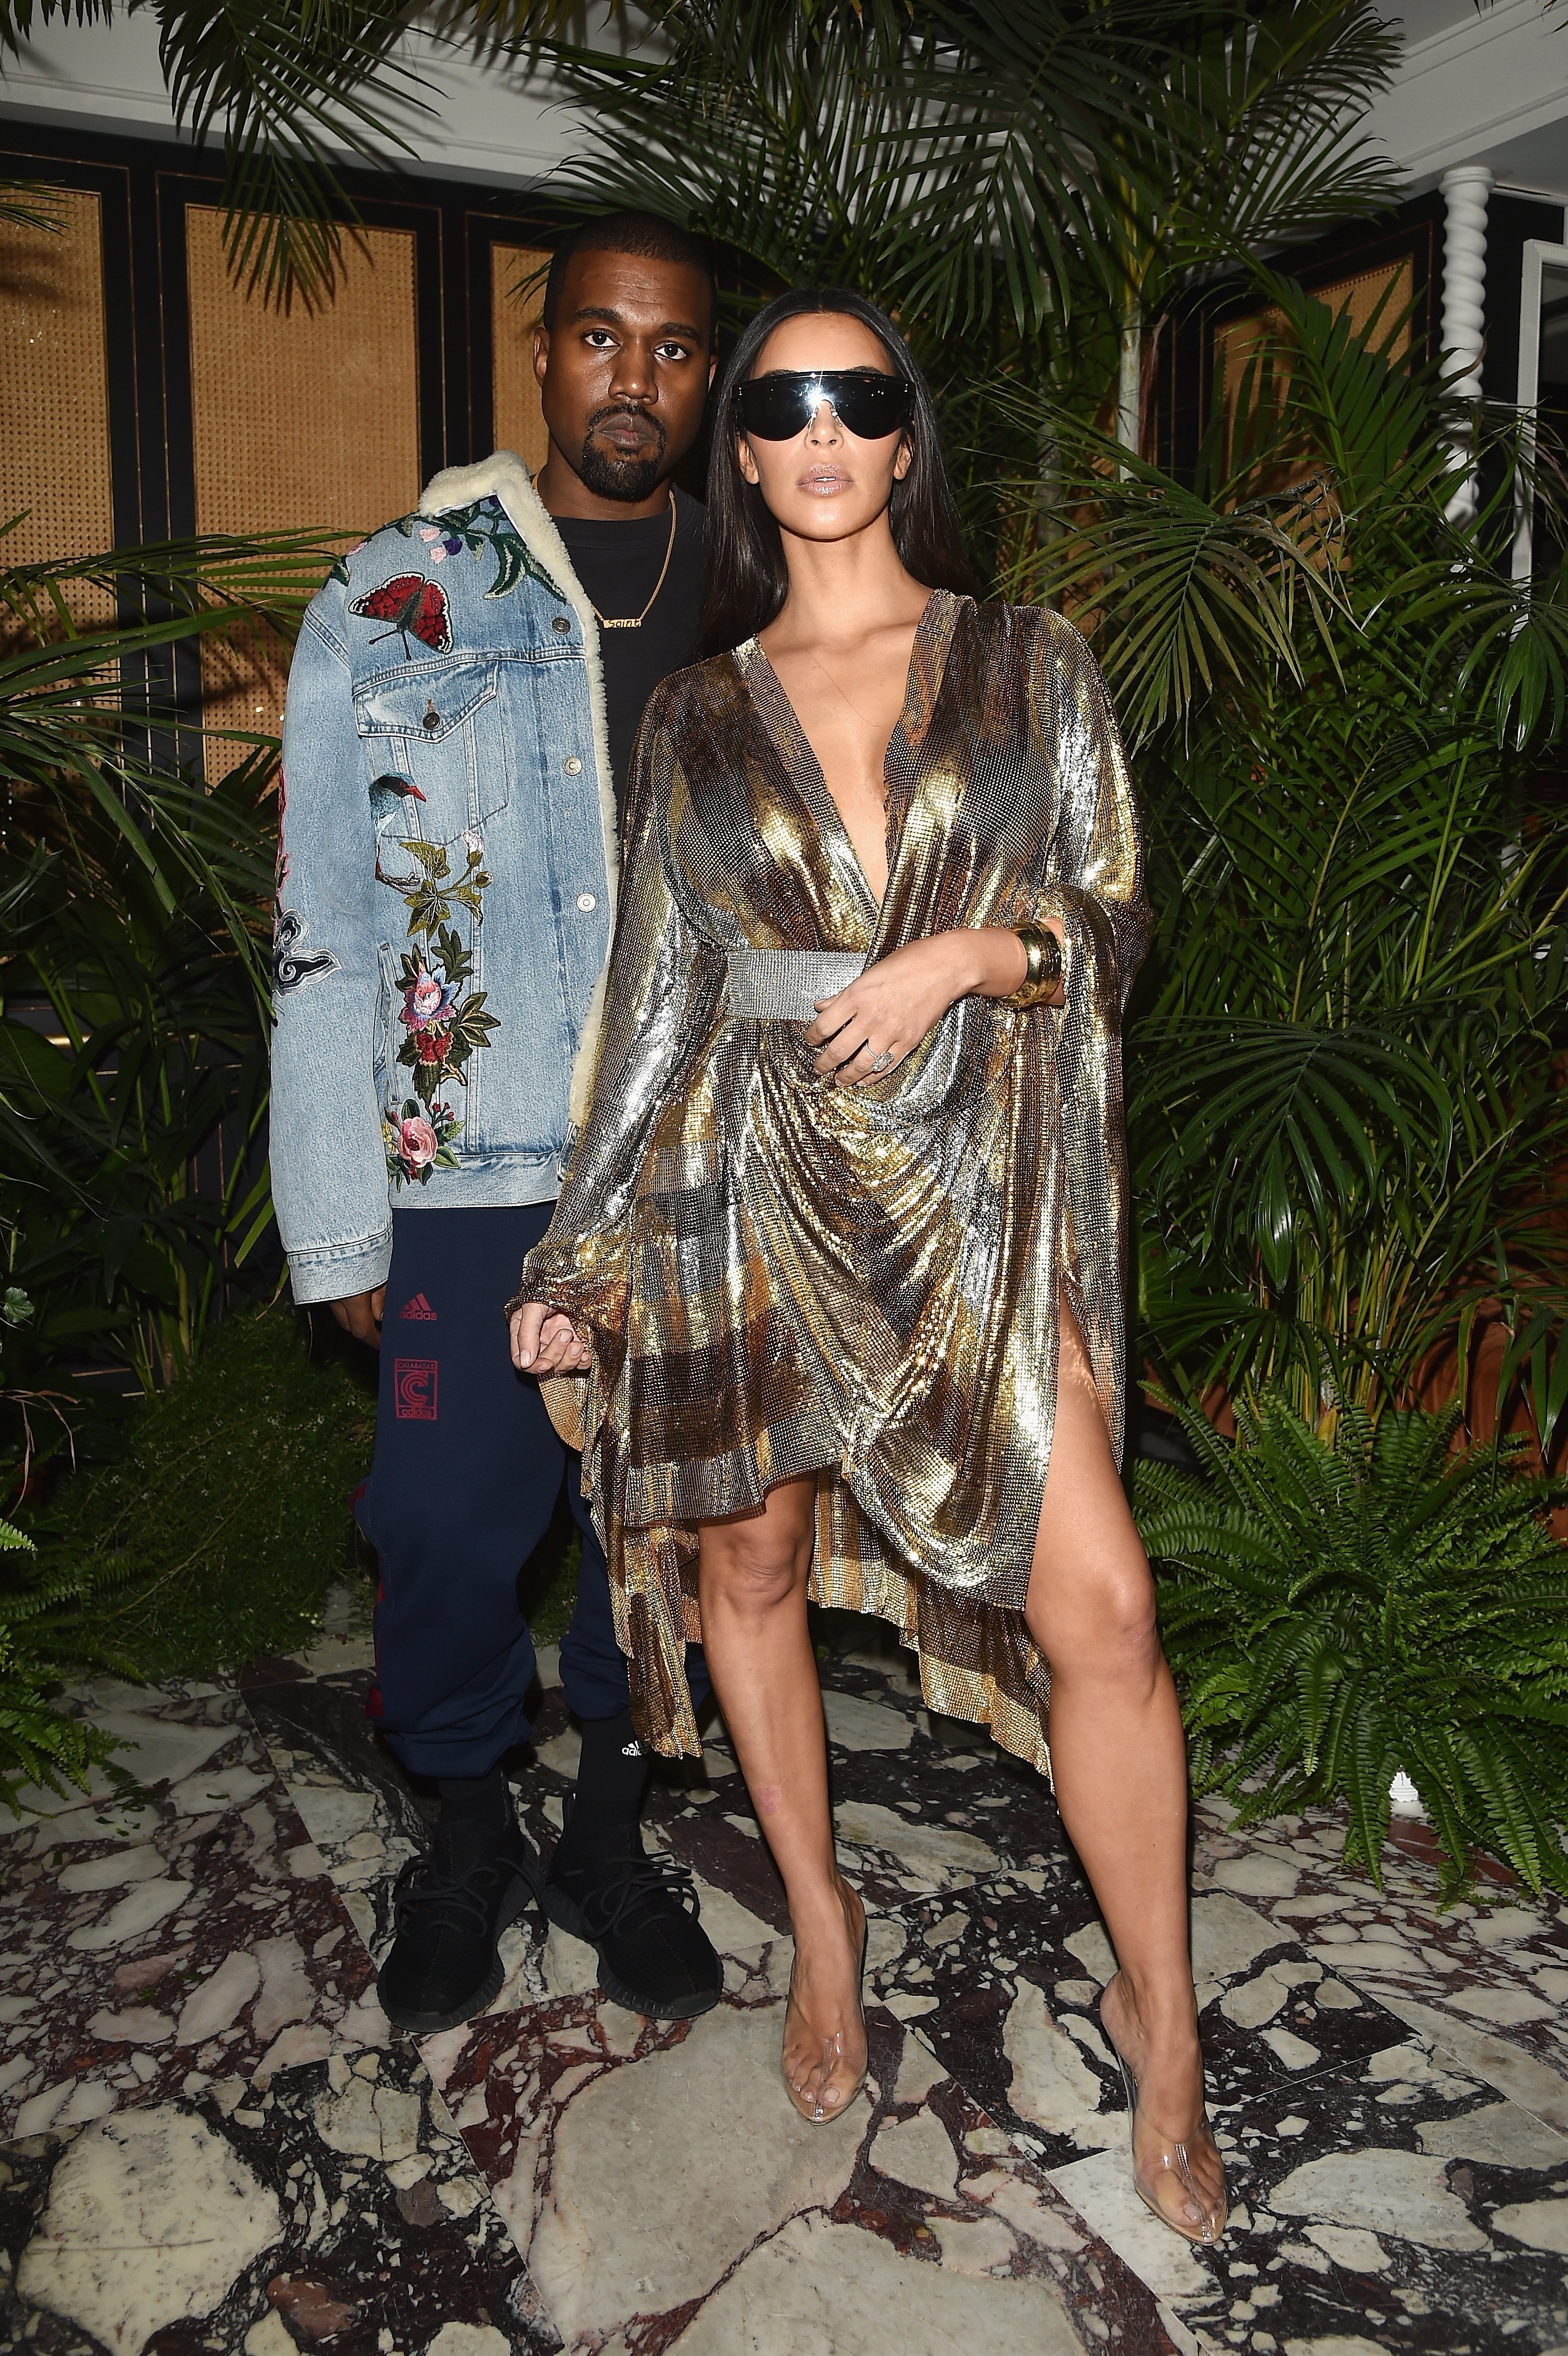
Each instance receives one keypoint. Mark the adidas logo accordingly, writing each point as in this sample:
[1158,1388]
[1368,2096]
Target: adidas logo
[419,1309]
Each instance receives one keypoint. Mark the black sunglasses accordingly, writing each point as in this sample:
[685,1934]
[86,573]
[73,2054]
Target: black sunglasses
[870,404]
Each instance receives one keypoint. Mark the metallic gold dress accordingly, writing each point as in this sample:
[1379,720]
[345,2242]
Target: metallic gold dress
[780,1277]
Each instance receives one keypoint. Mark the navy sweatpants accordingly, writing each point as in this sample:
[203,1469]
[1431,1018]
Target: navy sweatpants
[466,1473]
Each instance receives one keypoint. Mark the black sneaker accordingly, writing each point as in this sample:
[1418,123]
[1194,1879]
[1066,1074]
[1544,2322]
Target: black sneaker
[449,1910]
[641,1913]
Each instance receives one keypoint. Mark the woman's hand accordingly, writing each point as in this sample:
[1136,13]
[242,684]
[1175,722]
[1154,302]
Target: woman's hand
[546,1342]
[865,1031]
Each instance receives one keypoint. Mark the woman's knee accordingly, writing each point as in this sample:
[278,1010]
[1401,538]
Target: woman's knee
[1104,1623]
[757,1564]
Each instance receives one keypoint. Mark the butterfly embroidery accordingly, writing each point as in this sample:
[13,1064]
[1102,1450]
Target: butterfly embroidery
[409,602]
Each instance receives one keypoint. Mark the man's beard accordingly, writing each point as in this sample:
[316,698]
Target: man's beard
[622,475]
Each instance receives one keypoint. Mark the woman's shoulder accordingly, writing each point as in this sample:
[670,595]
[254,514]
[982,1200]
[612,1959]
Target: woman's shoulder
[1035,627]
[696,687]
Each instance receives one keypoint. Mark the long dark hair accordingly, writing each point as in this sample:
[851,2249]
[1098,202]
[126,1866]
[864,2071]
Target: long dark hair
[747,576]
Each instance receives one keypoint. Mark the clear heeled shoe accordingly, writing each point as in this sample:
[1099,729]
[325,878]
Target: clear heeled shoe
[832,2055]
[1168,2156]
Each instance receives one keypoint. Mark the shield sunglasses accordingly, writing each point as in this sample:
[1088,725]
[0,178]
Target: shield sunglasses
[867,403]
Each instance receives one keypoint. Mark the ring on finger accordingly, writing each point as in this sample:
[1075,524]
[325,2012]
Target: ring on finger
[879,1063]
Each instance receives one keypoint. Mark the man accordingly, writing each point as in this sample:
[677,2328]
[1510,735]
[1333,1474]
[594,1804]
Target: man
[461,714]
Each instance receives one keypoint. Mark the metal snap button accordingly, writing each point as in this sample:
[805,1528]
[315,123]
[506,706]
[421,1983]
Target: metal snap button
[572,765]
[560,624]
[586,902]
[432,716]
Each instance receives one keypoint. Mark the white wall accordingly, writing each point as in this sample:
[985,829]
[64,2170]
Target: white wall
[487,126]
[1481,86]
[1484,85]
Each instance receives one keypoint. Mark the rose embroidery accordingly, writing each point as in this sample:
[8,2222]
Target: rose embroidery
[418,1142]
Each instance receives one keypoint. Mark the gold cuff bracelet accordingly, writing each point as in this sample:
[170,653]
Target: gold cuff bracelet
[1043,952]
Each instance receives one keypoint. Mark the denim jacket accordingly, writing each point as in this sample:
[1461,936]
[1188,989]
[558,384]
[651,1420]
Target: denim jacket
[446,877]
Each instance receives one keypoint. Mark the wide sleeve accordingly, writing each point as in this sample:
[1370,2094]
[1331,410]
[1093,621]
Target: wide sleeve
[1096,879]
[1095,884]
[662,995]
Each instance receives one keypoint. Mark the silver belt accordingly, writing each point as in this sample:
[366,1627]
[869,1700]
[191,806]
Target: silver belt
[784,985]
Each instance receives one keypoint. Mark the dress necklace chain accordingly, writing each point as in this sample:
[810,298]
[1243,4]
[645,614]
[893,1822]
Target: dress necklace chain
[635,621]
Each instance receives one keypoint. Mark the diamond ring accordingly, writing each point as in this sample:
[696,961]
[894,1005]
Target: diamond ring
[883,1060]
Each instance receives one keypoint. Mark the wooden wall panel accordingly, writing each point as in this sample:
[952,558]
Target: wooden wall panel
[304,419]
[54,390]
[1360,295]
[519,422]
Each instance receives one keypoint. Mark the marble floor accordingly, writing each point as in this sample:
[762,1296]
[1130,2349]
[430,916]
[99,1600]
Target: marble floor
[211,2140]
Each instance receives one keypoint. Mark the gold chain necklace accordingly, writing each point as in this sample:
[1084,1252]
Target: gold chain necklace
[635,621]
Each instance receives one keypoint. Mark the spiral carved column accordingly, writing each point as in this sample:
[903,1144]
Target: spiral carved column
[1465,193]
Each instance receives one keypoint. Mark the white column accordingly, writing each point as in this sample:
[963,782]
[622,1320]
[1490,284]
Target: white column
[1465,193]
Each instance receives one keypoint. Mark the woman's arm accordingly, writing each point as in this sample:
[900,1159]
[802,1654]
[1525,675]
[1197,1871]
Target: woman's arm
[1093,902]
[893,1006]
[661,993]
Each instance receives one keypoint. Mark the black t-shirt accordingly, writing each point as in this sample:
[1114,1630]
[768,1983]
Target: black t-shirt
[618,564]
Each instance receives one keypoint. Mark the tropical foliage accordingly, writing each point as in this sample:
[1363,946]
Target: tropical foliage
[1340,1610]
[136,900]
[1347,1122]
[1345,1119]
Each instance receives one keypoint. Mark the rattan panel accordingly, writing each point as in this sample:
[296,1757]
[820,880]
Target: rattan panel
[519,421]
[1359,297]
[301,419]
[54,390]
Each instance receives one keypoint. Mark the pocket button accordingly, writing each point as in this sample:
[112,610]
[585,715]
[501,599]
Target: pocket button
[572,765]
[560,624]
[587,903]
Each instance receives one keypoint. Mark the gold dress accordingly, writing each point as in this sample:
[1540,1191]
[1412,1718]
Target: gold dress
[780,1277]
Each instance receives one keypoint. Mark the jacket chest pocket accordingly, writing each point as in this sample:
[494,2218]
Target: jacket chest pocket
[441,732]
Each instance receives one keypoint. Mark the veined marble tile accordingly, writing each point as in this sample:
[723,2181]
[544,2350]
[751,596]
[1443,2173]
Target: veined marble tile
[155,1942]
[362,1812]
[1395,2204]
[337,2207]
[667,2195]
[1005,1985]
[1496,1964]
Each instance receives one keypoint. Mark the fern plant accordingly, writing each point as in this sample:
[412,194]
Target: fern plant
[1336,1608]
[43,1635]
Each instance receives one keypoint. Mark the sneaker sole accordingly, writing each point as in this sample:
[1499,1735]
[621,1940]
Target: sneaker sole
[429,2024]
[567,1916]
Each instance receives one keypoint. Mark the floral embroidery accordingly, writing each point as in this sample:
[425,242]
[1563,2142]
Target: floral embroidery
[444,1027]
[430,899]
[485,525]
[418,1142]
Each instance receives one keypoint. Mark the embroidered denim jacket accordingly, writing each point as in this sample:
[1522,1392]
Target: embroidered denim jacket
[446,876]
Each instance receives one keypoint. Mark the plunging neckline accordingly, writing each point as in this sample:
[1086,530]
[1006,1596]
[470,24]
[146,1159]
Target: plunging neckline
[800,756]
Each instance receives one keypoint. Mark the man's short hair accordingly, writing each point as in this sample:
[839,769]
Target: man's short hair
[642,234]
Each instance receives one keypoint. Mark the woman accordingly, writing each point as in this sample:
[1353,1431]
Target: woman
[838,1250]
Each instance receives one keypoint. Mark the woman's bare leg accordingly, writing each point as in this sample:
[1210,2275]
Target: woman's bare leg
[751,1575]
[1119,1764]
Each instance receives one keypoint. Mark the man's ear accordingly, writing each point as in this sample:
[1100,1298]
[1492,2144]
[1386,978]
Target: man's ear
[712,371]
[541,351]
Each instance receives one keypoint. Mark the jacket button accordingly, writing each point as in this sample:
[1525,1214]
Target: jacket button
[586,902]
[572,765]
[560,624]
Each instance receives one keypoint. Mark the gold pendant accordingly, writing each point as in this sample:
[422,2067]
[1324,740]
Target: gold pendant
[630,622]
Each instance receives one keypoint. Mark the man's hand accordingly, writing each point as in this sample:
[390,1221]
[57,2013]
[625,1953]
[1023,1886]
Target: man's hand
[361,1315]
[546,1342]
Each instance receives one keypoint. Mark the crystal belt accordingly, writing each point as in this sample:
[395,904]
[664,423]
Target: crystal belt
[784,985]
